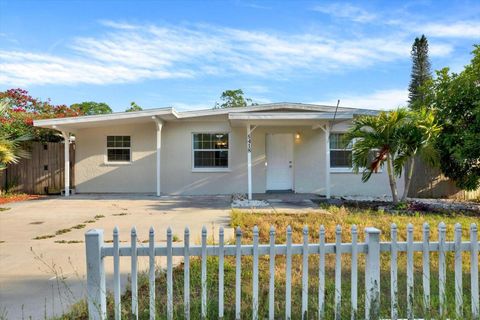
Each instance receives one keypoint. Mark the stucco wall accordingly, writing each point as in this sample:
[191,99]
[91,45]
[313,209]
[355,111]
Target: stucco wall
[93,174]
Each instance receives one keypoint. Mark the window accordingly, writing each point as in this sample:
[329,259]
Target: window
[340,151]
[118,148]
[210,150]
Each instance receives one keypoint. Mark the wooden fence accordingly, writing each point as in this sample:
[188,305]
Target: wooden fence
[97,251]
[42,173]
[428,182]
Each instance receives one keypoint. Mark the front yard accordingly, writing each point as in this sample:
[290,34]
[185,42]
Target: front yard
[334,216]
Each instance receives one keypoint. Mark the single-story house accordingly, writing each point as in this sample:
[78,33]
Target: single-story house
[256,149]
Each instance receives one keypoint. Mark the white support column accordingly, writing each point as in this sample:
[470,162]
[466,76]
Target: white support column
[327,161]
[159,125]
[249,161]
[66,138]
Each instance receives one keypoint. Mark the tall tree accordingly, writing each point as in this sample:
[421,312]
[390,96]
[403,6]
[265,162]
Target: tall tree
[456,100]
[133,107]
[233,99]
[91,108]
[420,72]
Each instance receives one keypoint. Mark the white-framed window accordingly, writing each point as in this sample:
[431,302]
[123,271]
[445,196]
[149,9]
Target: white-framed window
[211,151]
[340,151]
[118,149]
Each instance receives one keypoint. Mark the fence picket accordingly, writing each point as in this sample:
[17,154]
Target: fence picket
[186,273]
[354,274]
[169,275]
[116,275]
[321,274]
[305,274]
[426,268]
[474,271]
[410,294]
[338,272]
[204,273]
[221,286]
[151,272]
[238,273]
[133,239]
[288,276]
[393,273]
[442,229]
[271,291]
[458,271]
[255,275]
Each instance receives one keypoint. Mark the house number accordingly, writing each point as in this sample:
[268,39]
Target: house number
[249,143]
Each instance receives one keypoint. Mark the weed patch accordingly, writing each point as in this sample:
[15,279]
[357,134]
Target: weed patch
[68,241]
[47,236]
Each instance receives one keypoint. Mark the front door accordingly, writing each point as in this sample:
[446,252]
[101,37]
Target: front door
[279,161]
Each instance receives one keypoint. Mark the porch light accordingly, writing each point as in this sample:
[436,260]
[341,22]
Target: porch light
[297,136]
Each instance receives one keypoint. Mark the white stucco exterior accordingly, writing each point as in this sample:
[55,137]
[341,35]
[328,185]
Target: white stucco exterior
[94,174]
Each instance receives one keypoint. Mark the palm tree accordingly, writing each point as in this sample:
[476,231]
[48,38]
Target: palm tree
[417,138]
[380,134]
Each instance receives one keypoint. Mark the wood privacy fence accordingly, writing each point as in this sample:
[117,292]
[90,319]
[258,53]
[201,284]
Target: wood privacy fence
[372,248]
[42,173]
[428,182]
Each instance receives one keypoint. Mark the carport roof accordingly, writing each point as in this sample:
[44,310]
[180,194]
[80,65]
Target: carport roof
[283,111]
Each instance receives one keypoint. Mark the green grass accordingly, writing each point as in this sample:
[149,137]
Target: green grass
[342,216]
[4,209]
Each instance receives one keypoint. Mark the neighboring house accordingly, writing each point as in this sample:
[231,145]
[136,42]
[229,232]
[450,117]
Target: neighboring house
[269,147]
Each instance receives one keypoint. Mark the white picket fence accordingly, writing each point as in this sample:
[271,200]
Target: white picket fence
[372,248]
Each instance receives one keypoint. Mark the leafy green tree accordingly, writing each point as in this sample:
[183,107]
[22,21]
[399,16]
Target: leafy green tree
[233,99]
[456,101]
[91,108]
[133,107]
[11,148]
[420,72]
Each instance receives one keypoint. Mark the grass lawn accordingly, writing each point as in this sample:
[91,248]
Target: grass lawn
[338,216]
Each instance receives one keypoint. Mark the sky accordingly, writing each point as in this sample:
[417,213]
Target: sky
[184,54]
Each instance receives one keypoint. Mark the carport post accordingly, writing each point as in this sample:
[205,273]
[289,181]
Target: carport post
[327,161]
[249,160]
[96,298]
[66,138]
[159,125]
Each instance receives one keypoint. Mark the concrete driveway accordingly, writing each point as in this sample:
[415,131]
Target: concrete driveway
[46,275]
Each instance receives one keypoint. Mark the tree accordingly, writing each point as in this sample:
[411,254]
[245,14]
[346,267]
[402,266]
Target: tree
[380,133]
[233,99]
[416,137]
[420,72]
[456,101]
[133,107]
[11,148]
[20,111]
[90,108]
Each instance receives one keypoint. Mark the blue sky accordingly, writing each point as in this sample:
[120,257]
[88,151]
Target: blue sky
[185,53]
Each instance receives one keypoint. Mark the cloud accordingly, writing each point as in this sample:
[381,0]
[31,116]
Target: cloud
[346,11]
[126,53]
[465,29]
[378,100]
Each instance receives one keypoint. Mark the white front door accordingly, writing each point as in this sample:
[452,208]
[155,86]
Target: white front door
[279,161]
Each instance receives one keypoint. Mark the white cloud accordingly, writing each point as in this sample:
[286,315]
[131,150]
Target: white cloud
[128,53]
[465,29]
[346,11]
[378,100]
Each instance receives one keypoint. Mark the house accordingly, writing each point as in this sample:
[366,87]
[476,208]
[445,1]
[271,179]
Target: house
[268,147]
